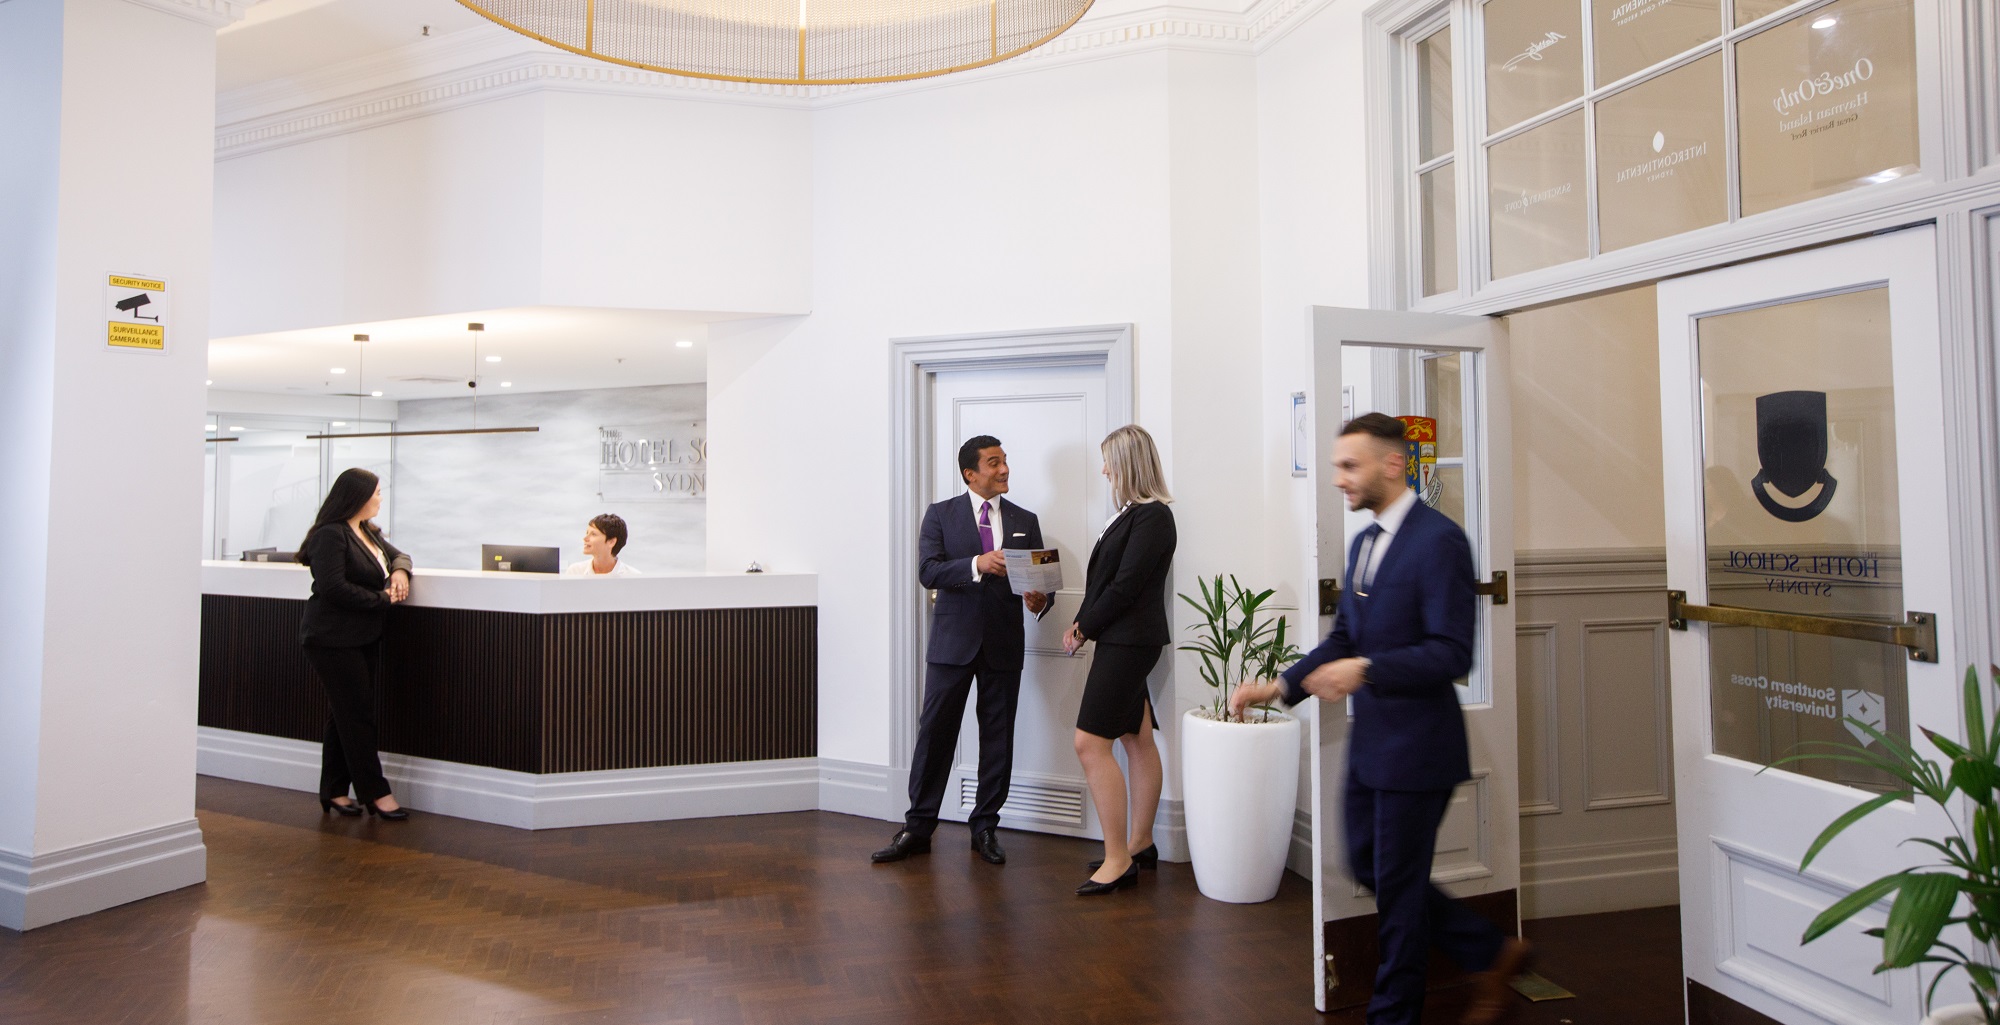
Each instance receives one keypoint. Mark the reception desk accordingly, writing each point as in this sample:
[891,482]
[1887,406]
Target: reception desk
[536,700]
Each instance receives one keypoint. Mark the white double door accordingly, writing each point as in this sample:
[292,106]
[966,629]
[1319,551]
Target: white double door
[1807,474]
[1049,420]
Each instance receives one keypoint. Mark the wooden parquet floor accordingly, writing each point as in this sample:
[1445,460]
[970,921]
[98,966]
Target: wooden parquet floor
[756,919]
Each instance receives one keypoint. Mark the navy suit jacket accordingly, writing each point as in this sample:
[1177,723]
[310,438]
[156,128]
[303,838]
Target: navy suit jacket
[973,616]
[1416,626]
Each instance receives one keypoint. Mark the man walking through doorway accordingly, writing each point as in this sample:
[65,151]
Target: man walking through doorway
[1401,640]
[976,634]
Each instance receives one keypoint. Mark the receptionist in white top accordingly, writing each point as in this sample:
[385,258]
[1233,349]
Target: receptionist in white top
[603,539]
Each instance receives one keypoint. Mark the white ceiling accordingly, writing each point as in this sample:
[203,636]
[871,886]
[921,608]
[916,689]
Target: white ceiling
[282,38]
[541,348]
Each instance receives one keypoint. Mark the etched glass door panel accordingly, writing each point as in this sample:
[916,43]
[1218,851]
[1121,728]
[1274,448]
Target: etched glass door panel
[1534,58]
[1800,491]
[1827,101]
[1662,157]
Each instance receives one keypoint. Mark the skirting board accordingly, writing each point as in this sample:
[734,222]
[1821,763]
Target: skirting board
[1592,878]
[46,888]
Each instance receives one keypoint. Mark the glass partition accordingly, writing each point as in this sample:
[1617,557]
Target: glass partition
[264,478]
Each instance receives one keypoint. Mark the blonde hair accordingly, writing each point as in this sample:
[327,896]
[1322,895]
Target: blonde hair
[1136,476]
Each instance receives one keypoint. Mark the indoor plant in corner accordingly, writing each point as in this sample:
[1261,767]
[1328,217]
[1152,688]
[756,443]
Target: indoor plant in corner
[1928,898]
[1239,774]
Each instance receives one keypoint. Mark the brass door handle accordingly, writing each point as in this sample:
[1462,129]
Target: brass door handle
[1495,588]
[1917,633]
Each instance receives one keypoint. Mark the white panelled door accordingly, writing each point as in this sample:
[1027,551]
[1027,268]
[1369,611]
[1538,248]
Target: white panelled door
[1805,477]
[1050,420]
[1453,371]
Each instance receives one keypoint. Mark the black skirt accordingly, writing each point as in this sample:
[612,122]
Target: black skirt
[1115,699]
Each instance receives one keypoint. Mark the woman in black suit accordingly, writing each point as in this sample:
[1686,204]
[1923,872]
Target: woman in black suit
[357,575]
[1124,612]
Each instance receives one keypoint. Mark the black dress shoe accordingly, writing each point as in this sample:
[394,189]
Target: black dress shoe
[326,804]
[902,845]
[986,844]
[1093,888]
[388,816]
[1148,858]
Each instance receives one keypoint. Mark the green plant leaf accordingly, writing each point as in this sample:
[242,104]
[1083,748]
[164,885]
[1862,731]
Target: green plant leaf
[1977,777]
[1849,906]
[1950,747]
[1919,914]
[1975,716]
[1840,825]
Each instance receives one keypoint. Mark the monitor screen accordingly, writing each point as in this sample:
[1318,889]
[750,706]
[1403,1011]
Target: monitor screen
[519,559]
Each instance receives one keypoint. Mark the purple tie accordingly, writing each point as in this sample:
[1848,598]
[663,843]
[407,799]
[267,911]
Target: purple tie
[986,526]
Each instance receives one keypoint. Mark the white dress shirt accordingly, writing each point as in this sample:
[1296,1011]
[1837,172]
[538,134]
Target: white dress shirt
[992,520]
[1390,520]
[621,568]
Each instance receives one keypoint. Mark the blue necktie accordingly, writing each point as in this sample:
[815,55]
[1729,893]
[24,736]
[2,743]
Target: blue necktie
[1363,562]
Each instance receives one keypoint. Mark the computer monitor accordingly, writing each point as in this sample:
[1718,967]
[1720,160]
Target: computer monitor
[268,555]
[519,559]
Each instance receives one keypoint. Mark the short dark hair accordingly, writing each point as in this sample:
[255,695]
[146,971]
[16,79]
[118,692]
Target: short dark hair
[968,453]
[1377,425]
[612,526]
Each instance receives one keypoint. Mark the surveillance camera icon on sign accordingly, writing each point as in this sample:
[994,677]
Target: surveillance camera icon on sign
[1865,706]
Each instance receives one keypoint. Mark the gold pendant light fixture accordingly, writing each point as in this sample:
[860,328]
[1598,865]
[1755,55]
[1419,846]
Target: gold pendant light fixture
[791,42]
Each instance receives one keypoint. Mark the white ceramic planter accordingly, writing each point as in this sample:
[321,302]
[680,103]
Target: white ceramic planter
[1956,1014]
[1240,784]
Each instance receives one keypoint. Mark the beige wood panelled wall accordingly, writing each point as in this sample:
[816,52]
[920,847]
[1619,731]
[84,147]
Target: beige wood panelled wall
[1597,813]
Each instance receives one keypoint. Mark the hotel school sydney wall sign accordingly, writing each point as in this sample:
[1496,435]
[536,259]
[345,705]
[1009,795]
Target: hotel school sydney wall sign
[653,462]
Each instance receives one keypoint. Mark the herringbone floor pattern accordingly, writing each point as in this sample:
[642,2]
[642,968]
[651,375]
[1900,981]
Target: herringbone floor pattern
[756,919]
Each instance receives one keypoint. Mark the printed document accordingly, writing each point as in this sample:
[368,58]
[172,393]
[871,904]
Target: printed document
[1034,569]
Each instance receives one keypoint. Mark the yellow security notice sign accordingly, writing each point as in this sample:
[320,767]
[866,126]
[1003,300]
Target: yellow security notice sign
[137,313]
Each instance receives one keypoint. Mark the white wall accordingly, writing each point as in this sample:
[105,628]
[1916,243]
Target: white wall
[456,492]
[541,198]
[102,609]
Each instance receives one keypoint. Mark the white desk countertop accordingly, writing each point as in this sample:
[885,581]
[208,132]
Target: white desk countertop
[538,593]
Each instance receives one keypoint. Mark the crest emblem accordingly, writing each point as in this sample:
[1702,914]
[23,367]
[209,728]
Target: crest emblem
[1791,445]
[1420,433]
[1865,706]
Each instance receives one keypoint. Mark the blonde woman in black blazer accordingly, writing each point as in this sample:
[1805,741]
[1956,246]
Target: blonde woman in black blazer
[1124,612]
[357,576]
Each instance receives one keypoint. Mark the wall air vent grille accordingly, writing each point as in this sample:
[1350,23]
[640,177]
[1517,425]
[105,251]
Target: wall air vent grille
[1058,805]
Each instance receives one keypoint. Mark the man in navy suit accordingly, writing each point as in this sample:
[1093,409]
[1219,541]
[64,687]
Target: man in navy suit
[976,634]
[1402,639]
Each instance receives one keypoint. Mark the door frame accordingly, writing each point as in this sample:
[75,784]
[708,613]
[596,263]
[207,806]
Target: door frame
[914,365]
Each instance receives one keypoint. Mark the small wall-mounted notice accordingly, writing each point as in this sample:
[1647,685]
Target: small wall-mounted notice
[136,311]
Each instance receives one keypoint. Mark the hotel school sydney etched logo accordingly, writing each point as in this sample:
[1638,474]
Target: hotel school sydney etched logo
[1791,446]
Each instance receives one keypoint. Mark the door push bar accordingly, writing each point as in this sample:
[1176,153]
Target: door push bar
[1496,589]
[1918,633]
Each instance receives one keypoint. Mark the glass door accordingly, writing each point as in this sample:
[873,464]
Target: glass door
[1808,555]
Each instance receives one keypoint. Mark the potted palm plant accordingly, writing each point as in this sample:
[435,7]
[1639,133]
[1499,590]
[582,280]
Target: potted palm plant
[1239,774]
[1962,887]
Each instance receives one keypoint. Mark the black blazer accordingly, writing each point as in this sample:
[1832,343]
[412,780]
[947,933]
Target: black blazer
[973,616]
[347,607]
[1125,598]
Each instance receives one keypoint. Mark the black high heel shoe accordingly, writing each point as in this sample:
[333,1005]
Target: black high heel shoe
[388,816]
[1093,888]
[326,805]
[1148,859]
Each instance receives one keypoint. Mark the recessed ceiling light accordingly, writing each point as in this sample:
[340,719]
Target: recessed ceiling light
[1826,23]
[338,370]
[340,423]
[683,344]
[208,427]
[376,394]
[235,427]
[492,359]
[506,384]
[208,382]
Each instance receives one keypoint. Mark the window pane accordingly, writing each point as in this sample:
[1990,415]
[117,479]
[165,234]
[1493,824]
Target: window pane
[1440,213]
[1748,11]
[1661,158]
[1535,197]
[1434,95]
[1534,58]
[1444,401]
[1827,102]
[1632,35]
[1799,442]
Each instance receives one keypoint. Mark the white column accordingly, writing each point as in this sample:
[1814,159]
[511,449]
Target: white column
[107,109]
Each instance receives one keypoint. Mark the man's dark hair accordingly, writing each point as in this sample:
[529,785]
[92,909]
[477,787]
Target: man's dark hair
[1379,425]
[612,526]
[968,453]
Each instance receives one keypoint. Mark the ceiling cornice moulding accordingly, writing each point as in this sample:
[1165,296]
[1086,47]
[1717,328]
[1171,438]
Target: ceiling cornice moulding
[482,65]
[213,13]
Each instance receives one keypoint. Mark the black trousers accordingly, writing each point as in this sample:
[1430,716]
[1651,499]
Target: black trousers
[945,691]
[1391,837]
[348,758]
